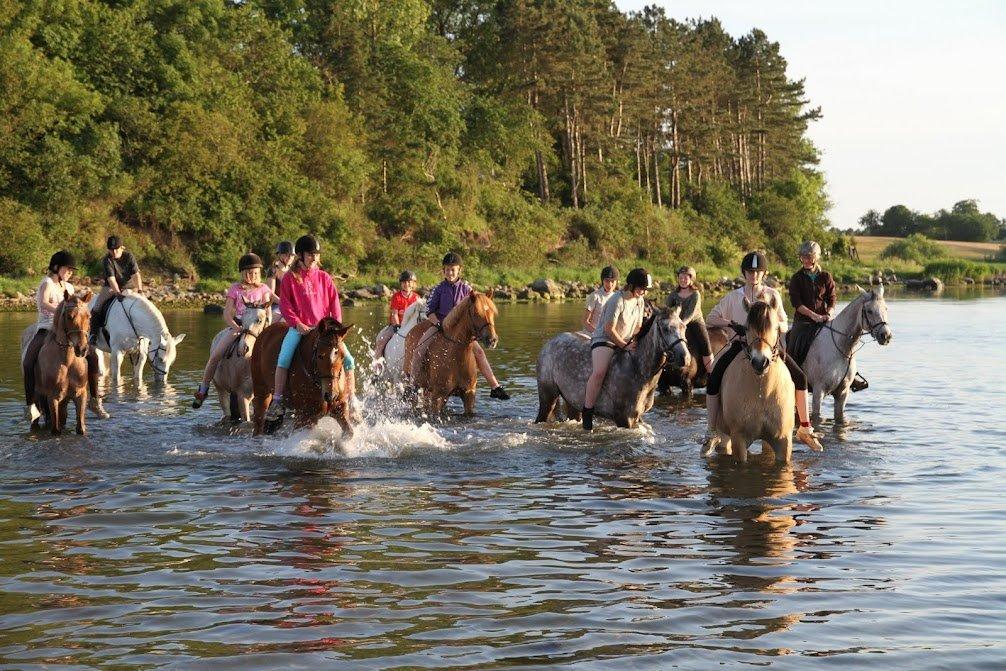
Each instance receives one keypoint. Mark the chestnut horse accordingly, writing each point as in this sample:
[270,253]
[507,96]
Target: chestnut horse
[447,366]
[61,368]
[317,383]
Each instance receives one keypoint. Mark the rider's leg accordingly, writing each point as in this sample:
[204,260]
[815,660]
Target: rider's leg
[383,338]
[216,356]
[696,331]
[349,365]
[286,352]
[496,389]
[98,314]
[805,433]
[28,372]
[713,394]
[412,369]
[600,359]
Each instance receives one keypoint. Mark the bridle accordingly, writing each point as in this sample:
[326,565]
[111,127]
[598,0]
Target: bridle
[476,332]
[867,330]
[151,352]
[316,375]
[741,331]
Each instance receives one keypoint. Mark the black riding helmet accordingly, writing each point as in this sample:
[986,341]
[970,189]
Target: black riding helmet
[249,261]
[609,273]
[451,259]
[754,261]
[113,242]
[638,278]
[60,259]
[407,276]
[285,247]
[307,244]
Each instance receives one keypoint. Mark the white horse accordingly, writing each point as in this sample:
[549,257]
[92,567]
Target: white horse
[136,327]
[831,360]
[394,351]
[233,375]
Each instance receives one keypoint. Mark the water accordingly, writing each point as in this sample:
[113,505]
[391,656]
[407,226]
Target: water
[165,541]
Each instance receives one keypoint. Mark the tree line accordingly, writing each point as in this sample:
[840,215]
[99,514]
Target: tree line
[963,221]
[520,132]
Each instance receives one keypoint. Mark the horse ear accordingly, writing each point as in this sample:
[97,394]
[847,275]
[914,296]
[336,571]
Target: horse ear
[66,294]
[773,302]
[342,330]
[675,311]
[489,294]
[861,289]
[879,291]
[179,338]
[86,296]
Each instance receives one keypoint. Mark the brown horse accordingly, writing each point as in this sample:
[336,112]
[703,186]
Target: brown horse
[61,368]
[447,367]
[317,383]
[758,394]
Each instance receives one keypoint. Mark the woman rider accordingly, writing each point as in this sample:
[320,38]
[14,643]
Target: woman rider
[307,295]
[733,308]
[277,269]
[600,296]
[49,295]
[617,327]
[690,300]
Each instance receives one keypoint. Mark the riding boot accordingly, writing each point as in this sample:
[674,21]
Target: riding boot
[588,419]
[712,438]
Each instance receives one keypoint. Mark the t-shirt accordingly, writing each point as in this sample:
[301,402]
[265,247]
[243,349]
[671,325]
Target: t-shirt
[625,314]
[51,287]
[731,307]
[122,269]
[598,298]
[400,303]
[445,296]
[240,294]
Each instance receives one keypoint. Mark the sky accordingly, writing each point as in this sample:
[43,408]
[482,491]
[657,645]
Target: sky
[912,111]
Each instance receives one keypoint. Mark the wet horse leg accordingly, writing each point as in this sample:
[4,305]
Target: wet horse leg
[841,395]
[548,398]
[342,417]
[815,413]
[468,398]
[260,403]
[740,446]
[54,424]
[80,402]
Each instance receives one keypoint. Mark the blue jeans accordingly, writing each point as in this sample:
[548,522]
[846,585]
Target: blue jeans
[289,347]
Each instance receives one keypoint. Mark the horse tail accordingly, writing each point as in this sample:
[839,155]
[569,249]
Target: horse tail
[235,411]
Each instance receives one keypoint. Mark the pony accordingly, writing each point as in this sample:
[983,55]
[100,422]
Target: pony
[233,376]
[447,367]
[317,384]
[61,369]
[687,377]
[564,366]
[394,351]
[830,364]
[134,326]
[758,396]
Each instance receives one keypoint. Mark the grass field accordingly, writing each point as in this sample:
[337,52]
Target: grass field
[870,247]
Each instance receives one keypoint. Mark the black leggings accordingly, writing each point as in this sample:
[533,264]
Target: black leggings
[31,358]
[697,335]
[713,386]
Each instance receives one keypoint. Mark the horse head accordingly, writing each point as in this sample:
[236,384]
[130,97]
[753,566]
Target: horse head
[763,334]
[875,315]
[327,357]
[671,335]
[74,319]
[162,355]
[485,310]
[256,317]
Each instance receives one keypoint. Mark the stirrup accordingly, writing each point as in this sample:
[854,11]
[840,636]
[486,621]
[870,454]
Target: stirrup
[859,383]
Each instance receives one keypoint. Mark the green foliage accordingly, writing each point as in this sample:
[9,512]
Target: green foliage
[964,222]
[916,247]
[955,270]
[24,248]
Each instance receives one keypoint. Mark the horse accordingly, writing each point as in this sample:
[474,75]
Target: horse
[758,396]
[447,367]
[316,386]
[134,324]
[394,351]
[564,365]
[687,377]
[830,363]
[61,368]
[233,376]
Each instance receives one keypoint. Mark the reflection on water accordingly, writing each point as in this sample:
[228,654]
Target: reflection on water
[166,540]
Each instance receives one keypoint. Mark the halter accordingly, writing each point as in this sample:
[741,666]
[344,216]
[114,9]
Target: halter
[68,332]
[316,375]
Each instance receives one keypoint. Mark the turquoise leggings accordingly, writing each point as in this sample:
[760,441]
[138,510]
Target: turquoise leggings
[292,339]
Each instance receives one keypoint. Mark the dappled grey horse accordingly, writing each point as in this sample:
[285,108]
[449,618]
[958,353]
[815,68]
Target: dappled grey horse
[564,366]
[831,360]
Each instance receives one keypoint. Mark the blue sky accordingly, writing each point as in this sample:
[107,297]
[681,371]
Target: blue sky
[912,110]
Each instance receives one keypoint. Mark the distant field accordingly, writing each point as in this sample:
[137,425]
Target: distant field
[870,247]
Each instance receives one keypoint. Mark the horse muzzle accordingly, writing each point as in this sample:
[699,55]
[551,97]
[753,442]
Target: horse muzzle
[81,350]
[760,364]
[885,336]
[491,341]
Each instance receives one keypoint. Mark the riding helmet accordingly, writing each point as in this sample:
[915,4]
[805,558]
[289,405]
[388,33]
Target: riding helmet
[60,259]
[609,273]
[249,261]
[285,247]
[687,270]
[113,242]
[638,278]
[754,261]
[451,259]
[407,276]
[810,248]
[307,244]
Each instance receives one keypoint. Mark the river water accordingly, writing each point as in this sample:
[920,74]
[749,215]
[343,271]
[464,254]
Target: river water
[167,541]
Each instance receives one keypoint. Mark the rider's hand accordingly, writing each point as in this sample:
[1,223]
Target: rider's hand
[821,319]
[303,329]
[631,346]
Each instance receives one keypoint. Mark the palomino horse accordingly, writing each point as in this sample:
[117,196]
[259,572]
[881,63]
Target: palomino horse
[317,383]
[61,368]
[447,367]
[830,364]
[394,351]
[564,365]
[757,396]
[134,324]
[233,376]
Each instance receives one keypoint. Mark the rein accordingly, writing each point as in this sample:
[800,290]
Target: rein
[867,330]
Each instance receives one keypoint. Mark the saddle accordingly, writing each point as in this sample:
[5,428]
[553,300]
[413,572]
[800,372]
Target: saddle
[98,318]
[799,339]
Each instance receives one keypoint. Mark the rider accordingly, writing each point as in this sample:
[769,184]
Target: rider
[277,269]
[49,295]
[400,302]
[620,321]
[600,296]
[690,300]
[442,300]
[121,272]
[733,308]
[307,295]
[249,291]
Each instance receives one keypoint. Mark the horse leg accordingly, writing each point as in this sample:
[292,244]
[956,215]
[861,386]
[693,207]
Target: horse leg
[342,417]
[548,398]
[841,395]
[223,399]
[260,403]
[815,413]
[141,361]
[54,425]
[64,413]
[115,364]
[244,405]
[782,447]
[740,448]
[571,413]
[80,402]
[468,398]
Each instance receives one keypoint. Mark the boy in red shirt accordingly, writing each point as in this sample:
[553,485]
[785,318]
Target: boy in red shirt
[400,301]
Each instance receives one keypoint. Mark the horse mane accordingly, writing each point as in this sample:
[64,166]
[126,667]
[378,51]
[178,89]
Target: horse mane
[760,317]
[647,325]
[153,311]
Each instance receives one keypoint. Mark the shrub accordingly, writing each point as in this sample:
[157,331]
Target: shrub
[916,247]
[25,249]
[955,270]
